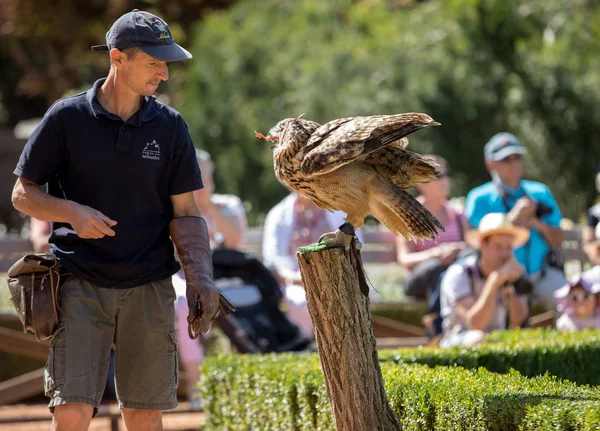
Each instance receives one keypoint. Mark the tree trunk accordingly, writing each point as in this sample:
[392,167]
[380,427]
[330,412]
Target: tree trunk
[344,332]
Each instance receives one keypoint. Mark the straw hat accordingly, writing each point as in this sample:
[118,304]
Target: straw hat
[496,224]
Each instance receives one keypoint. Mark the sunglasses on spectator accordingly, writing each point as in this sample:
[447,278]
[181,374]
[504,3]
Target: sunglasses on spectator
[580,297]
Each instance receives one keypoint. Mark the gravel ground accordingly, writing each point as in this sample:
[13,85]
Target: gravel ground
[171,421]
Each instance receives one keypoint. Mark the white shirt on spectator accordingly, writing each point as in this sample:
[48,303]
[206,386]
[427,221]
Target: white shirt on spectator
[455,286]
[277,233]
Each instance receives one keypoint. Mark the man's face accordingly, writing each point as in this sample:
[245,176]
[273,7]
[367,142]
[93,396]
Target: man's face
[509,169]
[142,73]
[496,250]
[437,189]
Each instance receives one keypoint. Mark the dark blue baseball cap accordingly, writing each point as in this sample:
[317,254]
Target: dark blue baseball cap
[502,145]
[147,32]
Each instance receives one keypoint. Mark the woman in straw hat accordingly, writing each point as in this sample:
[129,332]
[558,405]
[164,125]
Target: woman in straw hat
[478,293]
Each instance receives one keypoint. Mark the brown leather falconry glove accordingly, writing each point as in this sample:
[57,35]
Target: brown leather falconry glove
[190,236]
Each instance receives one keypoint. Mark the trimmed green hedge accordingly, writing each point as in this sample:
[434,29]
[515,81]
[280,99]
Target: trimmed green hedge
[268,392]
[287,392]
[563,415]
[455,398]
[572,356]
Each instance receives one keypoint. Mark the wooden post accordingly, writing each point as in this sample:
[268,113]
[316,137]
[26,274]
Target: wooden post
[347,347]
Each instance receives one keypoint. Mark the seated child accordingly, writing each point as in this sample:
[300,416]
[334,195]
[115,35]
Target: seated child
[578,302]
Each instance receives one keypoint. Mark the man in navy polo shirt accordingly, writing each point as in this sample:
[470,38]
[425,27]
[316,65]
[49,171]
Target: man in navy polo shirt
[528,204]
[120,169]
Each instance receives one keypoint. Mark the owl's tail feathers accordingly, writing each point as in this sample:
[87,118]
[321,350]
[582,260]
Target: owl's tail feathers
[403,214]
[424,170]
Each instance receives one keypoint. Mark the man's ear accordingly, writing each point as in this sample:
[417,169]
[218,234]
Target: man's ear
[489,166]
[117,57]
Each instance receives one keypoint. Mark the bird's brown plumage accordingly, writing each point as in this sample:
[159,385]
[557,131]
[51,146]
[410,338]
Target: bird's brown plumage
[359,165]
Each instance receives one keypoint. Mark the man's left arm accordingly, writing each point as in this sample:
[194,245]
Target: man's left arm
[549,225]
[184,205]
[190,236]
[553,235]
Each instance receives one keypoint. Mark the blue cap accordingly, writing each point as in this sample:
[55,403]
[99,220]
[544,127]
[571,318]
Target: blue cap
[147,32]
[502,145]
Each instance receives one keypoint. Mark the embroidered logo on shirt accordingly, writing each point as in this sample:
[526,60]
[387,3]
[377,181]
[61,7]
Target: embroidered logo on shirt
[151,151]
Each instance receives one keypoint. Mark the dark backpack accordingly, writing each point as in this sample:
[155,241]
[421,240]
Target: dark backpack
[258,326]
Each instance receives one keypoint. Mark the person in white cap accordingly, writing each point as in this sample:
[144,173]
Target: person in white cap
[529,204]
[478,294]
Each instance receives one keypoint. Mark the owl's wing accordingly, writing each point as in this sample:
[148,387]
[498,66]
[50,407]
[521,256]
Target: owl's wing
[342,141]
[401,167]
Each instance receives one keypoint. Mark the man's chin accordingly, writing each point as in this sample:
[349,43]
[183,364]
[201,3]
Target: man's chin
[150,89]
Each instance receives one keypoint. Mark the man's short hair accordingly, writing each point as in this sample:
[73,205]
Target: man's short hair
[131,52]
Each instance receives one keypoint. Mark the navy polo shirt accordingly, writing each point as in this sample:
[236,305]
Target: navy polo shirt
[125,169]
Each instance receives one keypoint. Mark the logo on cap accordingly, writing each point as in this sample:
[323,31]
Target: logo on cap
[159,28]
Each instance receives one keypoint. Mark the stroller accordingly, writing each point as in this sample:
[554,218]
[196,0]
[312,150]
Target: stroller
[258,325]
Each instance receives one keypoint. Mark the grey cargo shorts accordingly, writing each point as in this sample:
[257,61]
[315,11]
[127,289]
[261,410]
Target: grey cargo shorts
[140,322]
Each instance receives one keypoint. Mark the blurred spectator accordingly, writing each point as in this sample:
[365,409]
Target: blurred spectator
[295,222]
[528,204]
[39,232]
[578,302]
[478,293]
[225,214]
[591,232]
[426,261]
[226,221]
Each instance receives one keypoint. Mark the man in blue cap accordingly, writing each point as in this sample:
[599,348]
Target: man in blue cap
[528,204]
[120,169]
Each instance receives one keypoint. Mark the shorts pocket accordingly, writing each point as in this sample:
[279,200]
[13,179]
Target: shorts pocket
[173,359]
[54,373]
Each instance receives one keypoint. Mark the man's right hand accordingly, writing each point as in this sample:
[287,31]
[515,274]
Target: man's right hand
[523,211]
[510,272]
[90,223]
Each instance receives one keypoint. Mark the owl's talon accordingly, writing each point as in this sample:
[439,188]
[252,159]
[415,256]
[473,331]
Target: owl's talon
[337,237]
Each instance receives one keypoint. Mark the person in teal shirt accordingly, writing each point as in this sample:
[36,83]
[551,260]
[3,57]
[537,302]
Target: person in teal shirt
[528,204]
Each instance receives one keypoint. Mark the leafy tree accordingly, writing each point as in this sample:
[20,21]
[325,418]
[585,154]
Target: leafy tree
[477,66]
[45,45]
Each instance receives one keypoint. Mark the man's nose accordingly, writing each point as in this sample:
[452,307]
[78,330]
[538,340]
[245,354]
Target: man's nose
[163,72]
